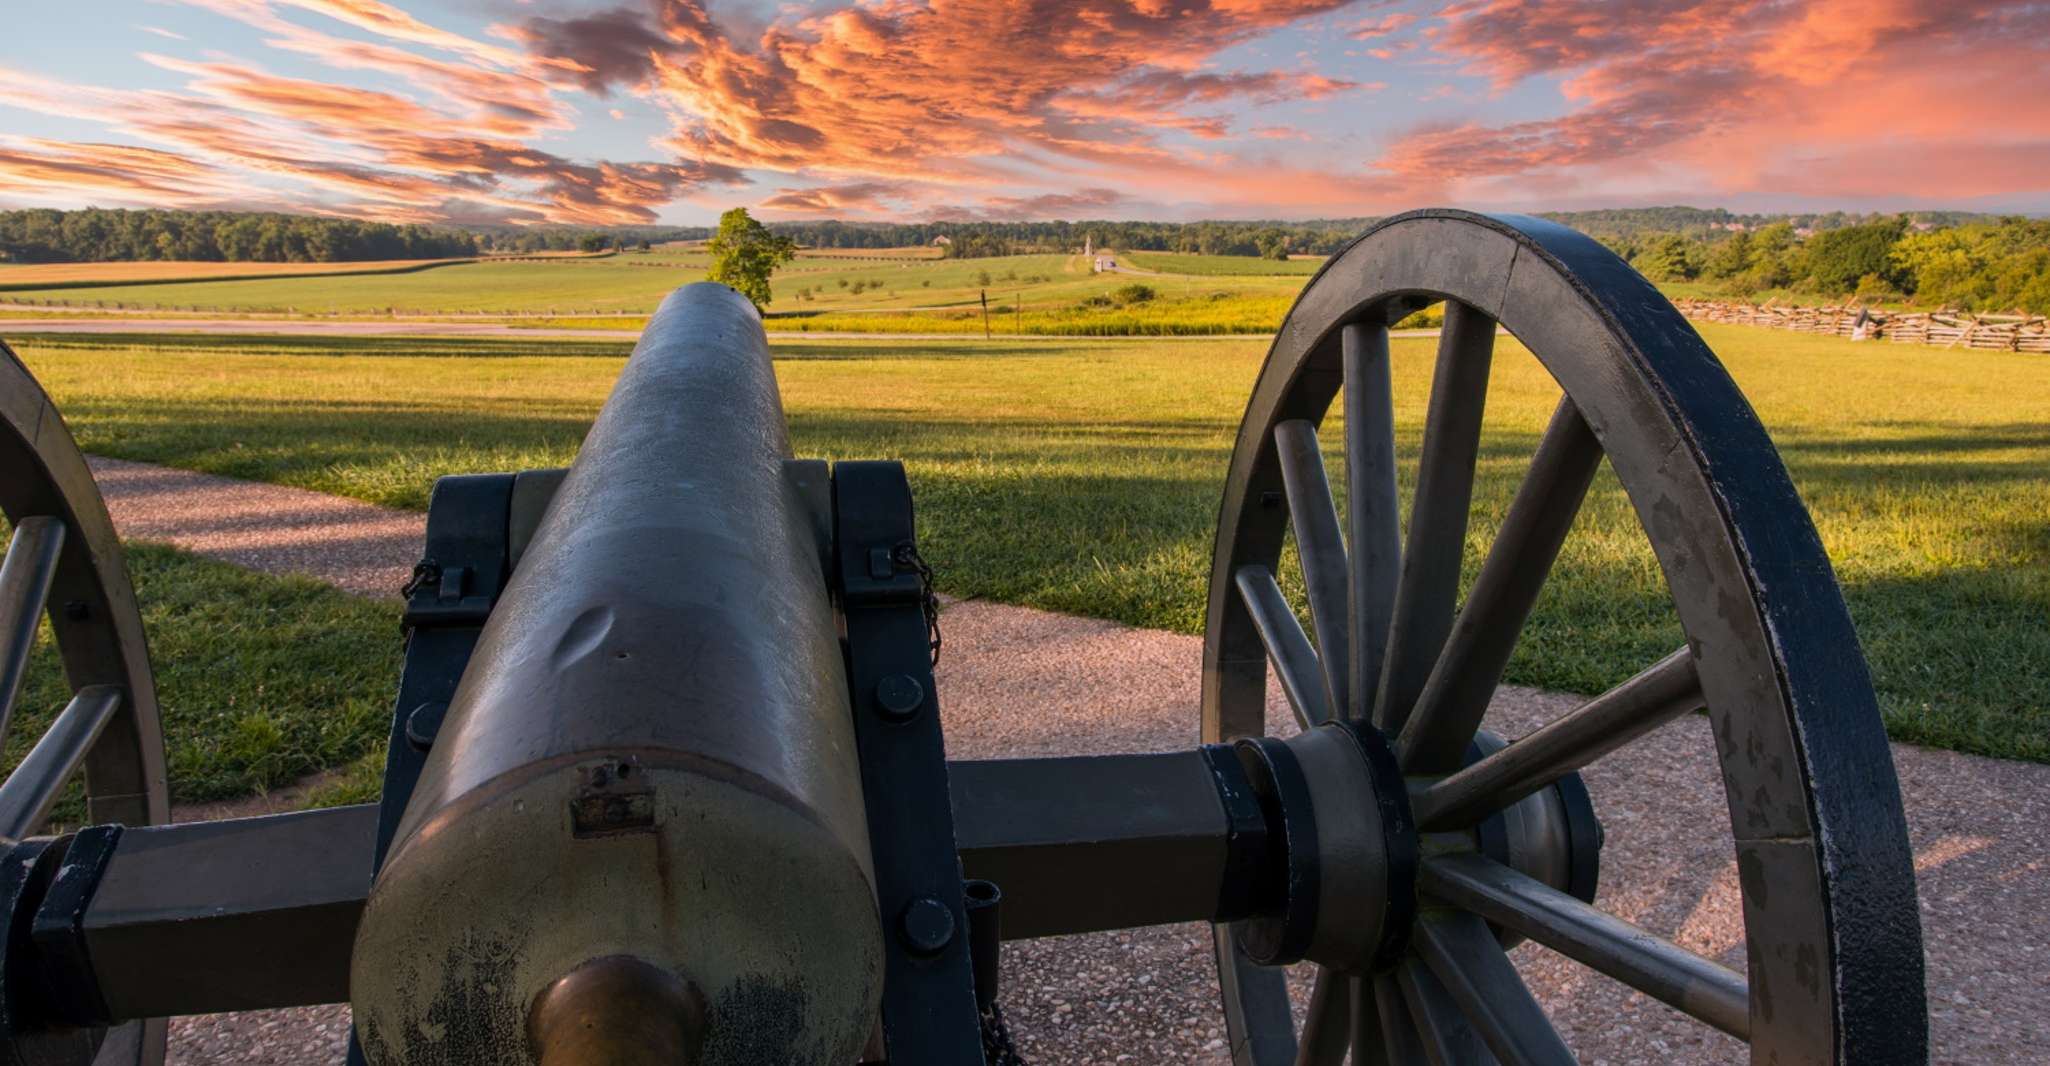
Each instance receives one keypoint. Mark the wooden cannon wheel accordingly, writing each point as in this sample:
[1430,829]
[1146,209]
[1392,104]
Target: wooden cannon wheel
[1830,914]
[63,560]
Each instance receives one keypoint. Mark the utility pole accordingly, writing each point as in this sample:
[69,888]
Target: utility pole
[985,314]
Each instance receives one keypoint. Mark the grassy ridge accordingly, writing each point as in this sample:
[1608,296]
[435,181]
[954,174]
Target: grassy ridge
[1084,476]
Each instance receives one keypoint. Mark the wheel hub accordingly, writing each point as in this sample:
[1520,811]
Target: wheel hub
[1341,888]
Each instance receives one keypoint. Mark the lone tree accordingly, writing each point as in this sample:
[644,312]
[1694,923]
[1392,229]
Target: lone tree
[745,253]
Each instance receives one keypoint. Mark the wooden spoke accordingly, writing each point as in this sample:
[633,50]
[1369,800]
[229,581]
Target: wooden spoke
[1463,953]
[1399,1045]
[29,792]
[1665,691]
[1440,1029]
[1288,647]
[1656,967]
[1428,592]
[25,577]
[1320,546]
[1435,737]
[1260,995]
[1372,513]
[1327,1031]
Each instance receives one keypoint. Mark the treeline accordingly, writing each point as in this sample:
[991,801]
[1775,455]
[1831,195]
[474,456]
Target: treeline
[974,240]
[98,234]
[509,238]
[1275,239]
[1980,265]
[1628,223]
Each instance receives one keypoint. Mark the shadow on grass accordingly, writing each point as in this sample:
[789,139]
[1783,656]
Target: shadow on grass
[1116,518]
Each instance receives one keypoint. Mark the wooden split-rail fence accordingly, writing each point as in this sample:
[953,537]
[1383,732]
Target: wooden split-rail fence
[1945,329]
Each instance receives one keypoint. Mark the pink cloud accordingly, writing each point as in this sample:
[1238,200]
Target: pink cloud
[1750,96]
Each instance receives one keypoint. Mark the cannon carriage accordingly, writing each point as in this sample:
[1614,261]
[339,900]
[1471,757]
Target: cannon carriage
[667,781]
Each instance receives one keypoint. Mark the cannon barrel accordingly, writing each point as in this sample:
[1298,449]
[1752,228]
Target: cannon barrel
[643,809]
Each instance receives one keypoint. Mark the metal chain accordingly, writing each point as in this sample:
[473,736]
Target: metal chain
[997,1046]
[906,557]
[424,571]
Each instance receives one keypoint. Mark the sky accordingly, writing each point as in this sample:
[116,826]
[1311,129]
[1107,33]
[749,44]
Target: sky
[670,111]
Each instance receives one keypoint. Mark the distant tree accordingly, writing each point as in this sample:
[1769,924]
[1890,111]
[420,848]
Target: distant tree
[745,254]
[1728,258]
[593,242]
[1839,259]
[1670,257]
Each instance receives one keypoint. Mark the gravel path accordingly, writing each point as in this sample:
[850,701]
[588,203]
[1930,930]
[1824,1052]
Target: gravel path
[356,546]
[1980,827]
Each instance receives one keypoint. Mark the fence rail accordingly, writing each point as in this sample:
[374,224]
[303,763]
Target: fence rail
[1945,329]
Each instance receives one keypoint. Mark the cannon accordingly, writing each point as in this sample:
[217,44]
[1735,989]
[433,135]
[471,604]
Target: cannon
[667,781]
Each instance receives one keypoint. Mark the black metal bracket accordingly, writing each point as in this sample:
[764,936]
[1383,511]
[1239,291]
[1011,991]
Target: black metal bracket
[465,565]
[929,1008]
[31,1032]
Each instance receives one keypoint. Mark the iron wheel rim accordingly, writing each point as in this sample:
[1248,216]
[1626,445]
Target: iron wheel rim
[1784,681]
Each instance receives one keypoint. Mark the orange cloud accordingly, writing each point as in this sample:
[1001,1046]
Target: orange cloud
[965,91]
[858,198]
[1901,98]
[358,151]
[1382,27]
[1054,205]
[145,175]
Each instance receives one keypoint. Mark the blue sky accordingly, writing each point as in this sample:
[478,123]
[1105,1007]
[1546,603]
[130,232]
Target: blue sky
[671,110]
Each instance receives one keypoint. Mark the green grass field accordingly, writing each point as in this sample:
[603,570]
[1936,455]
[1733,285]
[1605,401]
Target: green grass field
[261,680]
[612,284]
[882,293]
[1179,263]
[1084,475]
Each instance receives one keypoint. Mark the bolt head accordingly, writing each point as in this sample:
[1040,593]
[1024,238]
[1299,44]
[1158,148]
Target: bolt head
[423,724]
[899,696]
[927,926]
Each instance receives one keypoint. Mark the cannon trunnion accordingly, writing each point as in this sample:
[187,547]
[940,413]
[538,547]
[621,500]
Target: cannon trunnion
[667,781]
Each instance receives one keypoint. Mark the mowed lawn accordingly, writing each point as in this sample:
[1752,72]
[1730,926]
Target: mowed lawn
[565,284]
[1186,263]
[261,680]
[843,291]
[1084,476]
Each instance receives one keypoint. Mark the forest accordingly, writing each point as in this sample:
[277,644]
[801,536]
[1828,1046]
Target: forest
[1980,264]
[98,235]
